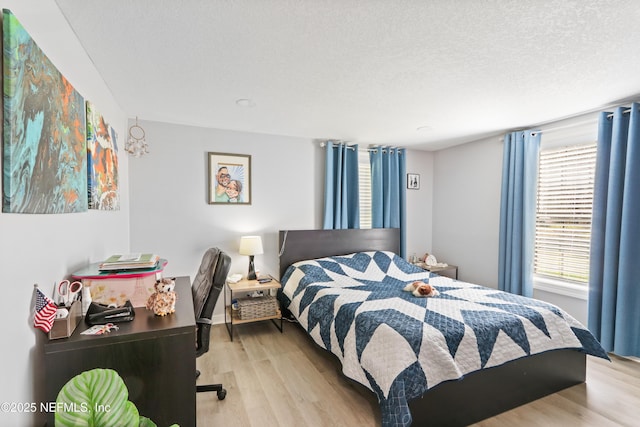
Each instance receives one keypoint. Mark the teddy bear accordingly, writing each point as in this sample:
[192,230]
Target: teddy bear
[421,289]
[163,300]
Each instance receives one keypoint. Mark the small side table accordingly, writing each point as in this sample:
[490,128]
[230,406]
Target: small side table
[450,271]
[245,286]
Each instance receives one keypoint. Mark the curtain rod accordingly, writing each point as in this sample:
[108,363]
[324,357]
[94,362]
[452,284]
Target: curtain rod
[351,147]
[557,128]
[375,150]
[627,111]
[584,122]
[567,126]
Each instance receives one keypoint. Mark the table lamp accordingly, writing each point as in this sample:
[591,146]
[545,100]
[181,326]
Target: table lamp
[251,245]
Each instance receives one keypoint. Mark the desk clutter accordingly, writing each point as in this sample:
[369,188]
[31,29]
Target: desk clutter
[99,313]
[116,286]
[69,312]
[63,327]
[59,316]
[105,292]
[127,262]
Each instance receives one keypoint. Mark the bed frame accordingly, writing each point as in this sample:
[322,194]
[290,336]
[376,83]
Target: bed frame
[485,393]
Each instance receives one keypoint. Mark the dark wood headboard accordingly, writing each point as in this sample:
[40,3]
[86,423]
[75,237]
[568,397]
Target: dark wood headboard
[299,245]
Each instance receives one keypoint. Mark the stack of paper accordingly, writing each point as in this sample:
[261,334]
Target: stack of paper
[128,262]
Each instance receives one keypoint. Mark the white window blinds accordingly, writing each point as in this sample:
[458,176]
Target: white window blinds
[364,179]
[563,213]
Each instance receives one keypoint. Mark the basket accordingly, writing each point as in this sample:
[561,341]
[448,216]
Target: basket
[255,308]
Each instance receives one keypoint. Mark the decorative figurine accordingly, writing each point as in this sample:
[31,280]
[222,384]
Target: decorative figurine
[163,300]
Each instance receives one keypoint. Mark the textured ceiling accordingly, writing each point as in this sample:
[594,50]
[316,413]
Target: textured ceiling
[367,71]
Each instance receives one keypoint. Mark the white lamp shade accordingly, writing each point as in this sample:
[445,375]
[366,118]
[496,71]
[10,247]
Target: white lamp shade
[250,245]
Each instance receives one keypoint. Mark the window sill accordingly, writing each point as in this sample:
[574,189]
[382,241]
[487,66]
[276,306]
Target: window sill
[559,287]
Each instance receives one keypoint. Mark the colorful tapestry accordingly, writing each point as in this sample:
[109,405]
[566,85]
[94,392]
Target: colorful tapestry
[45,151]
[102,158]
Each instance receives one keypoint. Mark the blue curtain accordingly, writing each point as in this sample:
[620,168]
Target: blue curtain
[518,212]
[341,189]
[614,274]
[388,192]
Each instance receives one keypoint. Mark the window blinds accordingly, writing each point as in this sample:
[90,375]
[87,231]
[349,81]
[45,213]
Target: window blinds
[563,213]
[364,179]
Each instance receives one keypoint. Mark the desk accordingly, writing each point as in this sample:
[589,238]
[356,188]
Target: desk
[154,355]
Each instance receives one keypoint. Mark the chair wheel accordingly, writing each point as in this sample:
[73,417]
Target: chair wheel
[222,394]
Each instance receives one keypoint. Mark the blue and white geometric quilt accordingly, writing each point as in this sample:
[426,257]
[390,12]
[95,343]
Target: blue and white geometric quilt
[398,345]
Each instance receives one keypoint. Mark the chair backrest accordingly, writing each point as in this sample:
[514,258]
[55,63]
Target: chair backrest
[206,288]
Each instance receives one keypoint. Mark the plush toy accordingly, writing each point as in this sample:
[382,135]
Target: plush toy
[163,300]
[421,289]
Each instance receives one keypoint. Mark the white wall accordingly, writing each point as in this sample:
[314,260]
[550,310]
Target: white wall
[170,214]
[46,248]
[420,204]
[466,209]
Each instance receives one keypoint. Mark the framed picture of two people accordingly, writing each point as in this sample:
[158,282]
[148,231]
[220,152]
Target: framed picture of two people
[229,179]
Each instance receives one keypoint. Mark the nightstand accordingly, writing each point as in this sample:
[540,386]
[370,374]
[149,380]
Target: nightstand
[450,271]
[253,303]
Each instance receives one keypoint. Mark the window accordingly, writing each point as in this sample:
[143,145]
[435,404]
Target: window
[364,180]
[563,213]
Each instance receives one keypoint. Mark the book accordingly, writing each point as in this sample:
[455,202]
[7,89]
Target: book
[128,262]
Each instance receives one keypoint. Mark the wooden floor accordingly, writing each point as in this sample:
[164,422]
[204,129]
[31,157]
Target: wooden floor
[275,379]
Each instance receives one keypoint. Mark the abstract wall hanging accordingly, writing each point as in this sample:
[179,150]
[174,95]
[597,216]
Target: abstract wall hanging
[44,144]
[102,161]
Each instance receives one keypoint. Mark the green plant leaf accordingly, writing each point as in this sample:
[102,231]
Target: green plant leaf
[96,398]
[146,422]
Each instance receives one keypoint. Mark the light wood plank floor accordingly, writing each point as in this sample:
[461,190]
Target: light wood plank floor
[275,379]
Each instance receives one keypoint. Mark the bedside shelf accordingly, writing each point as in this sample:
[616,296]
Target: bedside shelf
[231,317]
[237,321]
[450,271]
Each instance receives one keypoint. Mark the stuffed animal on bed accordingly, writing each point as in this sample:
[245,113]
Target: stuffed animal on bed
[421,289]
[163,300]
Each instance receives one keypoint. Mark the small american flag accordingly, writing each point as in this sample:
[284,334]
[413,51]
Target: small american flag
[45,312]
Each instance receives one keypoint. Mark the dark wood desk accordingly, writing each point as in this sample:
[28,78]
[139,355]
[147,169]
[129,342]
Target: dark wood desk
[155,356]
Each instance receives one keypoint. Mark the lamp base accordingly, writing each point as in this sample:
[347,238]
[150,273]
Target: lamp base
[252,269]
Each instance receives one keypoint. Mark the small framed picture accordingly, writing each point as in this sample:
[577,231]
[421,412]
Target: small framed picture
[413,181]
[229,179]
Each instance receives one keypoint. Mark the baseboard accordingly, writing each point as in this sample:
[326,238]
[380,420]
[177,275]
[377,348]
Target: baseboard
[217,319]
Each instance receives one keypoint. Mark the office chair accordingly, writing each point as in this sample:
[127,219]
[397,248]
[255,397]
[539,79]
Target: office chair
[206,288]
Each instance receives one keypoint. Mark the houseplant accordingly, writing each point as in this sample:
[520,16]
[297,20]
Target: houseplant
[98,398]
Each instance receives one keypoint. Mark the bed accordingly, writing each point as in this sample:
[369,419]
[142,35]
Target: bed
[465,355]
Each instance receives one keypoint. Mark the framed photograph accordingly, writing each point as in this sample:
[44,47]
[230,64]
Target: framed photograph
[413,181]
[229,179]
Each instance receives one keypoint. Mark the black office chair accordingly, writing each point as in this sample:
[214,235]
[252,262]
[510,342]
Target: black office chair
[206,288]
